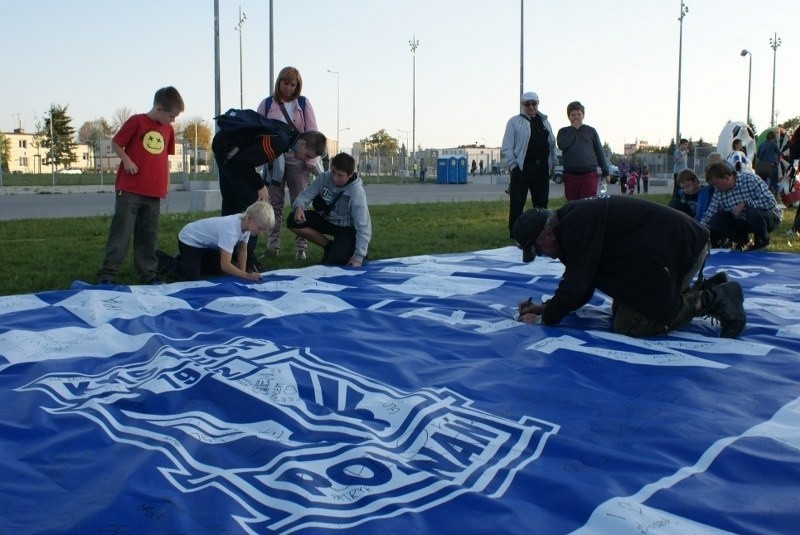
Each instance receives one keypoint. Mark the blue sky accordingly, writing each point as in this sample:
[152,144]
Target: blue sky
[618,57]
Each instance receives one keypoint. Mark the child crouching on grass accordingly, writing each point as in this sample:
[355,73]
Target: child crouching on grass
[207,246]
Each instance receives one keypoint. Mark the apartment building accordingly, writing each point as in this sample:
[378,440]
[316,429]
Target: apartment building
[26,156]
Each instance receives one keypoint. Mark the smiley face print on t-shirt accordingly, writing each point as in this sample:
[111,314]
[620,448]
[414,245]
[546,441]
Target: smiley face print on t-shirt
[153,142]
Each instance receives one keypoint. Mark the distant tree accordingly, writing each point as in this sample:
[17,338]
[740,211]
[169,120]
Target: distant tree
[199,137]
[95,130]
[93,133]
[58,140]
[5,151]
[381,141]
[752,126]
[120,116]
[403,153]
[791,124]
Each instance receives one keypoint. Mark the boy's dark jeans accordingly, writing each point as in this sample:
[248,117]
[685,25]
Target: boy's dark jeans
[137,216]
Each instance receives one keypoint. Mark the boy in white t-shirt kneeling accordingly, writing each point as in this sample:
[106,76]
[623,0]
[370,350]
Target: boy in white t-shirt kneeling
[207,246]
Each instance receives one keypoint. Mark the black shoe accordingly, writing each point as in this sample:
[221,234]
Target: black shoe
[155,281]
[105,281]
[714,280]
[726,304]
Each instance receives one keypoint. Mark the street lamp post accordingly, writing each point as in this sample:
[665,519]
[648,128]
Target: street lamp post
[337,108]
[242,18]
[52,149]
[414,43]
[339,135]
[774,43]
[684,11]
[749,80]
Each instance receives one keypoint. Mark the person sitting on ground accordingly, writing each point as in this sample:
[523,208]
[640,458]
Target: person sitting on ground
[694,198]
[741,204]
[642,254]
[340,210]
[207,246]
[737,159]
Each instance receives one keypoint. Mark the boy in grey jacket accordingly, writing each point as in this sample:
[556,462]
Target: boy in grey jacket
[340,211]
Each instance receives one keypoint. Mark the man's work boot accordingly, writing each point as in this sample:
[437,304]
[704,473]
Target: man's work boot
[725,303]
[714,280]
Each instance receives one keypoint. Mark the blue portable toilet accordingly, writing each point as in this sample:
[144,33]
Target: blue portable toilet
[462,171]
[441,170]
[452,170]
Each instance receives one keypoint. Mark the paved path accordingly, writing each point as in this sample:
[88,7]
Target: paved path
[96,202]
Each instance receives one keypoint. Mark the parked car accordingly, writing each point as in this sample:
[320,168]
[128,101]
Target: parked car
[69,171]
[613,171]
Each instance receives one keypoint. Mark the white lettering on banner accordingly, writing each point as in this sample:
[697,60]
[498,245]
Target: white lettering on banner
[98,307]
[633,354]
[342,449]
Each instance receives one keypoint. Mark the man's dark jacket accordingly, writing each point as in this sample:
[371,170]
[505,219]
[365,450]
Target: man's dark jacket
[636,252]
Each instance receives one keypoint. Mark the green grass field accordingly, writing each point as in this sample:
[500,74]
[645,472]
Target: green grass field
[49,254]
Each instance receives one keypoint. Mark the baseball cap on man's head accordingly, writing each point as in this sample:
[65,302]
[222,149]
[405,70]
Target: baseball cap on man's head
[527,228]
[528,96]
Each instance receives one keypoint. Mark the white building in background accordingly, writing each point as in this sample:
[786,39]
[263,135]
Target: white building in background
[27,157]
[489,156]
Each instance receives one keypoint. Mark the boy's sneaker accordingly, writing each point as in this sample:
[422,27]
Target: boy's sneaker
[105,281]
[301,255]
[155,281]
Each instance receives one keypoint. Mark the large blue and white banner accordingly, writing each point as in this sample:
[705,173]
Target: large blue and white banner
[398,398]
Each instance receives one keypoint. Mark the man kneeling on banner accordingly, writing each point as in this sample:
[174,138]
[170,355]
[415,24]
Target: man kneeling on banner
[642,254]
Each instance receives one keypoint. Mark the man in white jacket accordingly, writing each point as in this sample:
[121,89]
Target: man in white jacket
[529,151]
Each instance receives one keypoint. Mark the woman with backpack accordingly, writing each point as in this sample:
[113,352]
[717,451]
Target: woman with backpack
[287,105]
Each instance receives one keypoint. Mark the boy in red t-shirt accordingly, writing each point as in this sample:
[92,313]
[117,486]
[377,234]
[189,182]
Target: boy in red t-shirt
[143,145]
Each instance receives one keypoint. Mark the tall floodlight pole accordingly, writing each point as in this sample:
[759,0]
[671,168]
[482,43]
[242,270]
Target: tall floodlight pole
[774,43]
[337,108]
[521,47]
[217,94]
[52,149]
[749,81]
[684,11]
[414,43]
[271,50]
[242,18]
